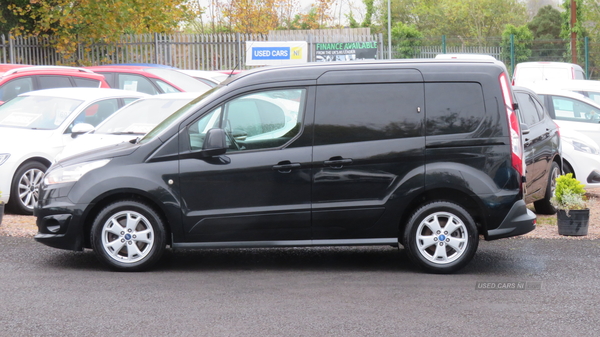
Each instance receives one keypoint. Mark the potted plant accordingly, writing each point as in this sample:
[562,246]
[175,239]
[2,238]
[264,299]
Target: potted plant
[573,214]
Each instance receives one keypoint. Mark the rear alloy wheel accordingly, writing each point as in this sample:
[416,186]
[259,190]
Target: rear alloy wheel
[24,192]
[128,236]
[441,237]
[544,206]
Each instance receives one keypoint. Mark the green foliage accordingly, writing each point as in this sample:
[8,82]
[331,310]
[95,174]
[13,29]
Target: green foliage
[90,21]
[370,7]
[406,39]
[467,19]
[522,42]
[569,193]
[567,29]
[544,28]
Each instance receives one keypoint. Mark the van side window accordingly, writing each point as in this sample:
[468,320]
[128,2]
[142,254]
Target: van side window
[453,108]
[366,112]
[259,120]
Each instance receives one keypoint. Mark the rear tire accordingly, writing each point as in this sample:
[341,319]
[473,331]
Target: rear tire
[24,191]
[128,236]
[441,237]
[544,206]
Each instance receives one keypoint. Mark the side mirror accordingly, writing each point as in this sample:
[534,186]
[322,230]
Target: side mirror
[524,129]
[81,128]
[215,143]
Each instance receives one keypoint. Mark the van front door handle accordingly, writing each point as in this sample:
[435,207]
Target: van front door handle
[286,166]
[337,162]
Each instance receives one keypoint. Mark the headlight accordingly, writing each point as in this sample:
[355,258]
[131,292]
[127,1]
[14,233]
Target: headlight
[3,157]
[579,146]
[72,173]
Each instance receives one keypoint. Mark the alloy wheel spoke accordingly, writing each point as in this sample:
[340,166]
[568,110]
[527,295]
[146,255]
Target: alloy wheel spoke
[457,243]
[427,241]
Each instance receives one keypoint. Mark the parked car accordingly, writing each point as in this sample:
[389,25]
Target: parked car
[35,126]
[541,141]
[20,79]
[571,110]
[211,78]
[423,154]
[149,79]
[528,73]
[131,121]
[588,88]
[581,156]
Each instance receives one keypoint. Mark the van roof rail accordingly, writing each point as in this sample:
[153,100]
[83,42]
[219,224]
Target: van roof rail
[18,70]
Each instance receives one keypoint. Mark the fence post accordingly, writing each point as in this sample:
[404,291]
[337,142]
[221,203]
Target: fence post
[587,54]
[512,53]
[380,46]
[155,48]
[11,48]
[443,44]
[3,49]
[239,51]
[310,57]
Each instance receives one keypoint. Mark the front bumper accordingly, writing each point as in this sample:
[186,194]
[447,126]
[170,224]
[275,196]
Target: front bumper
[520,220]
[60,227]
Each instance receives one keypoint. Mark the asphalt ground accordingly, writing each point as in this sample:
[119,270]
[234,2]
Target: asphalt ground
[513,287]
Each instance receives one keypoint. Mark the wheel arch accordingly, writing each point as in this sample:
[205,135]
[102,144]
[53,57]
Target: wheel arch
[102,201]
[461,198]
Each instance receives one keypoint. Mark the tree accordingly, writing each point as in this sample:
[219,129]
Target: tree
[548,46]
[9,21]
[468,19]
[522,38]
[567,28]
[73,21]
[406,39]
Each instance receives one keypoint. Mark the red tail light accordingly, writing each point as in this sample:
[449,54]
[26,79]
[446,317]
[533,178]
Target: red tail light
[515,129]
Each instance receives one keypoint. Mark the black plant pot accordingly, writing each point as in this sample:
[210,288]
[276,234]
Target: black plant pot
[573,222]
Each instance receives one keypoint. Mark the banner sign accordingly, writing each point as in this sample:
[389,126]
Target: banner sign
[345,51]
[275,52]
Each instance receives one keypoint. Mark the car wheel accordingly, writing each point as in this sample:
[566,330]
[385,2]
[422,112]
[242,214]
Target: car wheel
[441,237]
[24,192]
[544,206]
[128,236]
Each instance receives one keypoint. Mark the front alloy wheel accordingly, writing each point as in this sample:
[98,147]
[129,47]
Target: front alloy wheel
[25,188]
[441,237]
[128,235]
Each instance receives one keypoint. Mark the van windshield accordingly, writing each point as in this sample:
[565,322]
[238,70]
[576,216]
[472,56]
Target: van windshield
[165,124]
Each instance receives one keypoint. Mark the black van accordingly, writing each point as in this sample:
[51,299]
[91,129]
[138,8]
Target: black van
[423,154]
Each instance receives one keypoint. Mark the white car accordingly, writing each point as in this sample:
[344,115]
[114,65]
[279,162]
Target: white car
[581,156]
[34,128]
[528,73]
[588,88]
[212,78]
[131,121]
[571,110]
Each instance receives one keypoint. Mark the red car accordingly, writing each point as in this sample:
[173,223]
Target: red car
[16,79]
[148,79]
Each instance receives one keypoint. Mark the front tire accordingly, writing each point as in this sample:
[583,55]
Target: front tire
[544,206]
[441,237]
[24,192]
[128,236]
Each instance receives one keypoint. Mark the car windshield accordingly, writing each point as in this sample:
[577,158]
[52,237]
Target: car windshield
[141,116]
[183,81]
[37,112]
[166,123]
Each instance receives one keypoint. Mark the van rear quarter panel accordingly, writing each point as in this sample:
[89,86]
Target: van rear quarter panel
[473,159]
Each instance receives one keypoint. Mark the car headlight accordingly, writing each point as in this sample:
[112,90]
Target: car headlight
[72,173]
[4,157]
[579,146]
